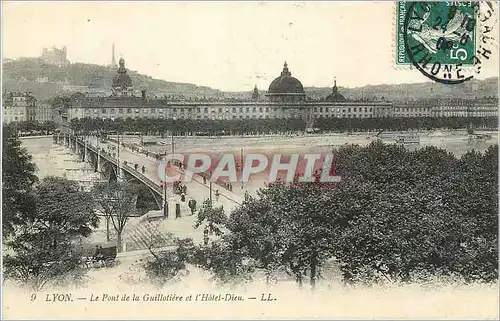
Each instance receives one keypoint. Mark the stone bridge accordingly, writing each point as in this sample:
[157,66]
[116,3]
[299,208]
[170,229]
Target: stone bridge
[107,165]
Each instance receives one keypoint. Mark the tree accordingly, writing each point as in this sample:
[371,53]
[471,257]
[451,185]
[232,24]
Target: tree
[214,218]
[290,227]
[412,214]
[396,215]
[117,200]
[167,264]
[18,178]
[43,249]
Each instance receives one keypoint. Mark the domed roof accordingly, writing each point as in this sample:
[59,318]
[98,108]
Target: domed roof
[335,95]
[286,84]
[121,79]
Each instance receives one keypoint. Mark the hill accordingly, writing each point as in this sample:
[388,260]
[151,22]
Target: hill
[400,92]
[46,81]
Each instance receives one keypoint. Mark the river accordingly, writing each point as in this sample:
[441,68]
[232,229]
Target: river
[57,160]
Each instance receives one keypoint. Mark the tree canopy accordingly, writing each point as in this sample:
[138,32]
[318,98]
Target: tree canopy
[18,178]
[42,250]
[203,127]
[396,215]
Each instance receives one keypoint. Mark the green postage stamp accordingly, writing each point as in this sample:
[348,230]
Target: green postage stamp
[446,29]
[447,41]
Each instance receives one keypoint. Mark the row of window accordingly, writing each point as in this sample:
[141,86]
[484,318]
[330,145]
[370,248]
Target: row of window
[410,109]
[251,116]
[221,110]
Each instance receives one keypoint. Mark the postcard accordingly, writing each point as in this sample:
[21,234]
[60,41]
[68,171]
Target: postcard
[250,160]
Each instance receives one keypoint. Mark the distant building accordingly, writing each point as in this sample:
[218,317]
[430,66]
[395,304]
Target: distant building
[23,106]
[113,61]
[255,94]
[335,95]
[44,112]
[42,80]
[18,107]
[55,56]
[122,84]
[286,89]
[286,99]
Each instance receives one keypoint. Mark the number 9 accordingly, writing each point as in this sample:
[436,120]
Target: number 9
[33,297]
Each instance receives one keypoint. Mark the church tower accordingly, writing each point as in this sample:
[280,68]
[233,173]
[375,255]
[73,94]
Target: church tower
[255,94]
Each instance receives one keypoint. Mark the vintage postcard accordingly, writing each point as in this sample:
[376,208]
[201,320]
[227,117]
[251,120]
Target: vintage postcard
[250,160]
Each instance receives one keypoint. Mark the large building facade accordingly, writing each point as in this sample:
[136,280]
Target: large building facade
[23,106]
[285,98]
[18,107]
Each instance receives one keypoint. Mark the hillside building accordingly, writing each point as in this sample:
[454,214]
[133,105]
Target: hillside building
[55,56]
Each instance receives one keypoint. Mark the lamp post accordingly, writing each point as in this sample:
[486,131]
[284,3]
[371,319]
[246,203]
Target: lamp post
[241,167]
[85,153]
[172,138]
[210,183]
[118,176]
[165,201]
[98,151]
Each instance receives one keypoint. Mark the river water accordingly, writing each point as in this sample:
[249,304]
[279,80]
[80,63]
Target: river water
[56,160]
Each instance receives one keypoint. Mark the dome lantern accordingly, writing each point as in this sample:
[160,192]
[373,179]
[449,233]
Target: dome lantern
[121,81]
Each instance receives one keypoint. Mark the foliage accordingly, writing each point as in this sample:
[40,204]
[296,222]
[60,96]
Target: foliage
[214,217]
[167,265]
[18,178]
[42,250]
[117,200]
[34,127]
[225,264]
[212,127]
[396,215]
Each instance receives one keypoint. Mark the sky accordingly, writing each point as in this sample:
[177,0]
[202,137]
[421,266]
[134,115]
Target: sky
[230,46]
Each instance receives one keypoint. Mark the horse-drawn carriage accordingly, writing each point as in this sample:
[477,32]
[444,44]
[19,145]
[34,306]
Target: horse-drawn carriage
[104,256]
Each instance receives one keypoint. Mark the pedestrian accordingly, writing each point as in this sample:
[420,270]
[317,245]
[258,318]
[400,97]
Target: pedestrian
[204,179]
[183,197]
[217,195]
[192,205]
[205,236]
[135,166]
[143,169]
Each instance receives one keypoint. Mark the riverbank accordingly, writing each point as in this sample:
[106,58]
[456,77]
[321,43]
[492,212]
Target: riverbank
[455,141]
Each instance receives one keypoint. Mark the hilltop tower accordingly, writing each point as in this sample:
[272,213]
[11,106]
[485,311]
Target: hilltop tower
[55,56]
[113,60]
